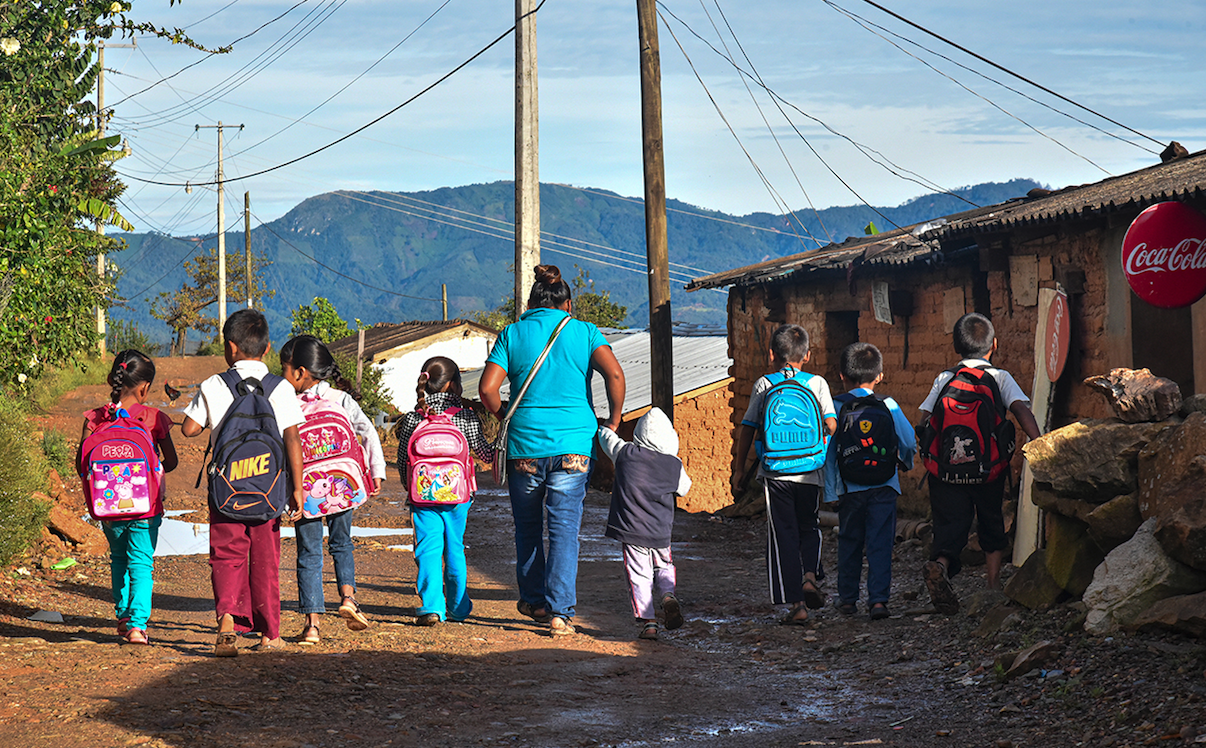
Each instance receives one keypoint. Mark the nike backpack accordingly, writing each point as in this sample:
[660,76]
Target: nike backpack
[441,471]
[247,479]
[969,438]
[334,474]
[121,471]
[793,437]
[866,443]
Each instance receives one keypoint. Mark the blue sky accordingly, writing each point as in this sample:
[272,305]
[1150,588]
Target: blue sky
[1141,68]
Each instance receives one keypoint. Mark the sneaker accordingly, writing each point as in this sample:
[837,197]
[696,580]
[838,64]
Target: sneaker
[673,612]
[537,614]
[879,611]
[942,594]
[428,619]
[560,626]
[649,631]
[350,612]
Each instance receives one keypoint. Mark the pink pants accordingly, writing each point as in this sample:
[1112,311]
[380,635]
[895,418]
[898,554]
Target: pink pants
[245,561]
[650,571]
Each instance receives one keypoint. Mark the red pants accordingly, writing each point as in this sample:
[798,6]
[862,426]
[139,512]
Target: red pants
[245,561]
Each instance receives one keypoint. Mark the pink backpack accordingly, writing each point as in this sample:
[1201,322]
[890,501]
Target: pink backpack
[441,471]
[334,473]
[121,471]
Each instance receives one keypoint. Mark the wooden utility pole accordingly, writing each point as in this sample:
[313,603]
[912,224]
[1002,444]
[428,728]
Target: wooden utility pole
[101,330]
[661,341]
[527,148]
[444,299]
[221,227]
[247,244]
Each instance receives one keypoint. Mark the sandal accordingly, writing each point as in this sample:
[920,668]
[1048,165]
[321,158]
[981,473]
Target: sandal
[123,625]
[649,631]
[350,612]
[310,636]
[847,609]
[226,645]
[812,596]
[559,626]
[942,593]
[673,612]
[879,611]
[136,636]
[269,646]
[539,615]
[794,617]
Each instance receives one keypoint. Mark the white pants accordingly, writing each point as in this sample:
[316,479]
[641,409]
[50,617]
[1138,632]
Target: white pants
[650,571]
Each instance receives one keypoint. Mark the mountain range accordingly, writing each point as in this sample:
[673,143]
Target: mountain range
[386,254]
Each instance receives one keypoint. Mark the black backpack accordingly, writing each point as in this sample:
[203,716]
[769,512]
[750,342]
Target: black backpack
[247,477]
[866,441]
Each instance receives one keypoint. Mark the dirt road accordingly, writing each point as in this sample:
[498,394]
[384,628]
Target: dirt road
[730,677]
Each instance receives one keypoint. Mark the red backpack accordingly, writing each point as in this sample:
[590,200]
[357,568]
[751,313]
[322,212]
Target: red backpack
[334,475]
[121,471]
[441,472]
[969,438]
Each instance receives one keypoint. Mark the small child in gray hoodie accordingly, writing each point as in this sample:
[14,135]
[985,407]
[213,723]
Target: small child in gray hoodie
[648,477]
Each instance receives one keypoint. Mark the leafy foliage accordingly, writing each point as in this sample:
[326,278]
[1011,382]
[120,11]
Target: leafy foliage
[22,472]
[593,307]
[320,319]
[123,335]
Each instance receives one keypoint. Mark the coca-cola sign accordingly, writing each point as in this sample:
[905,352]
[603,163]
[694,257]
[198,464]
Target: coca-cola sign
[1164,255]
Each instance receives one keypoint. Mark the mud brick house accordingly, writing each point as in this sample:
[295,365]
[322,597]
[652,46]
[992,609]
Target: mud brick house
[991,260]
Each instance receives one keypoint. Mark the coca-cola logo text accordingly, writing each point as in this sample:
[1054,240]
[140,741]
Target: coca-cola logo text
[1189,254]
[1164,255]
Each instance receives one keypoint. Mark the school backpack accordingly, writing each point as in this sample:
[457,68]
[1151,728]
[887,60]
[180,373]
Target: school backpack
[968,439]
[247,479]
[121,471]
[334,474]
[793,437]
[866,443]
[441,472]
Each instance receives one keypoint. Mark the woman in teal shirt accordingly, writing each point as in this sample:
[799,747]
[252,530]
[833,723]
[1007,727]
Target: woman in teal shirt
[549,440]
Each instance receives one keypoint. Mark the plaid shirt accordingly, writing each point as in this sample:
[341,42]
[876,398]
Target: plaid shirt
[465,420]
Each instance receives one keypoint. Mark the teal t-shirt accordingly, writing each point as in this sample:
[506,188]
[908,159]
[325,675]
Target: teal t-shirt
[556,416]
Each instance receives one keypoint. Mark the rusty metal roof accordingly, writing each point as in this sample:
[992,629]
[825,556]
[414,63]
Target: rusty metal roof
[385,336]
[1128,194]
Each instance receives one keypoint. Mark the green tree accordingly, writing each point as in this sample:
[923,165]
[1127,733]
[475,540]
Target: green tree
[321,320]
[589,306]
[187,308]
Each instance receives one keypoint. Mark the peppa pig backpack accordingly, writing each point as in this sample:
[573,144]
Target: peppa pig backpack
[334,473]
[120,470]
[441,471]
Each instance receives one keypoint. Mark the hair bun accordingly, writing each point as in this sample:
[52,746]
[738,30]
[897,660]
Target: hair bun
[548,275]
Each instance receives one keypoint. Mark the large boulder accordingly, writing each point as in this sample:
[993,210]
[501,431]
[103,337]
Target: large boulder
[1050,501]
[1113,523]
[1185,614]
[1172,489]
[1090,460]
[1134,577]
[1137,395]
[1032,585]
[1072,556]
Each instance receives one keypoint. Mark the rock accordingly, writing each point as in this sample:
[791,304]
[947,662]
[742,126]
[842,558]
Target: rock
[58,489]
[1184,614]
[1137,395]
[1133,578]
[1172,489]
[1028,659]
[1114,522]
[1032,585]
[1090,460]
[984,600]
[1071,553]
[75,530]
[1193,404]
[1050,501]
[998,619]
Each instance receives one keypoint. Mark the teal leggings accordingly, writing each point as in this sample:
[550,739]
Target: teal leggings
[131,548]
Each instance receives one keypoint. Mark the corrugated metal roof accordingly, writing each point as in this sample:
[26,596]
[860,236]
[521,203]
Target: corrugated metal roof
[698,362]
[386,336]
[1181,179]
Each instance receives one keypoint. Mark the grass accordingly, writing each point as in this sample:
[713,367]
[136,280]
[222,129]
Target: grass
[59,452]
[47,389]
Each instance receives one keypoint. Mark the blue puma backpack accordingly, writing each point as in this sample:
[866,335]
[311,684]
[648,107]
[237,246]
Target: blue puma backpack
[247,477]
[793,436]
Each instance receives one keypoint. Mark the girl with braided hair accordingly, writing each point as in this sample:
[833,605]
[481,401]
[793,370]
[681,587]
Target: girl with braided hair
[132,541]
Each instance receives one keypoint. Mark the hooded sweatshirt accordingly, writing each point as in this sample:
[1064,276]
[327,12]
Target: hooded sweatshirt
[648,477]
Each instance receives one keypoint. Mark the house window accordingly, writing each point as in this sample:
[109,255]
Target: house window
[1162,340]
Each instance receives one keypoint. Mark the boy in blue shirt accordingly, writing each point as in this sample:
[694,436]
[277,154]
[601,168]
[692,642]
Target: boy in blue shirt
[862,476]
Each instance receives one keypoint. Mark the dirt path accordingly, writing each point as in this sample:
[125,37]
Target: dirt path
[729,677]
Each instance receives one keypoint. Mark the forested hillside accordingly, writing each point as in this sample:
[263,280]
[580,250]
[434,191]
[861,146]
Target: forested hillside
[404,245]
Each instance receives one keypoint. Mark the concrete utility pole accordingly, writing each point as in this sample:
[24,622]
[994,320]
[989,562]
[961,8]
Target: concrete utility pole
[221,226]
[527,148]
[100,129]
[444,300]
[247,243]
[661,341]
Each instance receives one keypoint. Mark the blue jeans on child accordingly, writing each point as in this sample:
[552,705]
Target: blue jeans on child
[866,520]
[558,485]
[309,558]
[131,550]
[440,557]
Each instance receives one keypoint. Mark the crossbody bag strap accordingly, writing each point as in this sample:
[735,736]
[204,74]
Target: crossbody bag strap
[535,368]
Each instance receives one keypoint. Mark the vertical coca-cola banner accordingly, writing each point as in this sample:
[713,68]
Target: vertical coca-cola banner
[1164,255]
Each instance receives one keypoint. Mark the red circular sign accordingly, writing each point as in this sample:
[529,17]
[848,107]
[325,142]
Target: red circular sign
[1164,255]
[1058,331]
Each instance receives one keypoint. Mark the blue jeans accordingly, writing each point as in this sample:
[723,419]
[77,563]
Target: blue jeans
[309,558]
[558,485]
[440,555]
[866,520]
[131,550]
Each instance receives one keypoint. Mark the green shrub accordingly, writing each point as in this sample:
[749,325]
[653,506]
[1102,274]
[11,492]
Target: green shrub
[374,397]
[123,335]
[22,472]
[59,452]
[212,347]
[45,391]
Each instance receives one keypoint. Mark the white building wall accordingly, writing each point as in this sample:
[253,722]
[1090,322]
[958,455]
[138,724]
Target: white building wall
[400,375]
